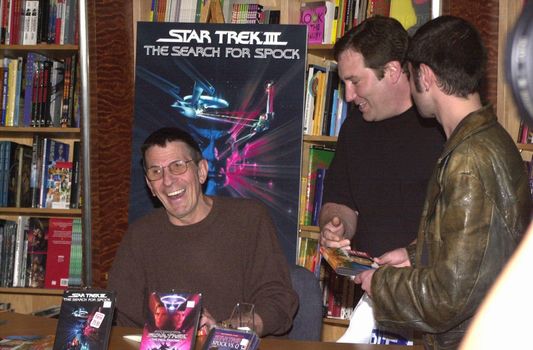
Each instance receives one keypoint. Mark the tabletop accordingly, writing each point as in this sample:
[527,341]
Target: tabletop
[17,324]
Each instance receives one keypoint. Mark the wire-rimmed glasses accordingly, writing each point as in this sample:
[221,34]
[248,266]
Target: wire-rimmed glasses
[176,167]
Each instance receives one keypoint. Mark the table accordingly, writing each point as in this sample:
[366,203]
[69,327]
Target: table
[17,324]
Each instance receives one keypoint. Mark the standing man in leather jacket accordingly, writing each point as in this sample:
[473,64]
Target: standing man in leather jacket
[477,205]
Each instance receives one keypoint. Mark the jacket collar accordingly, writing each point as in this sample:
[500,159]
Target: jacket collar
[473,123]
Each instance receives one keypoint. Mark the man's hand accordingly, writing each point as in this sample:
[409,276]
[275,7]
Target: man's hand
[397,258]
[332,234]
[365,280]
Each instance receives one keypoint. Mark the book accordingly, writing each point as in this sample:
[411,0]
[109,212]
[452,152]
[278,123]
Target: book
[347,262]
[53,151]
[75,192]
[37,238]
[59,185]
[172,320]
[319,157]
[58,253]
[29,76]
[85,319]
[312,14]
[19,265]
[8,253]
[55,93]
[10,167]
[3,171]
[19,194]
[319,191]
[76,255]
[11,91]
[229,339]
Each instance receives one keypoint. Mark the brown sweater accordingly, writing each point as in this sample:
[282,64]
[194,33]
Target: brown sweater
[231,256]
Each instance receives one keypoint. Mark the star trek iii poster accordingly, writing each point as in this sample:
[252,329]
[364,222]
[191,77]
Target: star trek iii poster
[238,89]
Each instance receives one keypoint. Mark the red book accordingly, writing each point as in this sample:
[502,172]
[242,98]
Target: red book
[58,255]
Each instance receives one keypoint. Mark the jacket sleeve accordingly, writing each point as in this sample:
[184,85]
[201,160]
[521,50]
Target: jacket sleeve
[268,284]
[437,296]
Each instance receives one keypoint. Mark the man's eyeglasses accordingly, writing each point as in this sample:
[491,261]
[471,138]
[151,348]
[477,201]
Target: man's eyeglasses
[177,167]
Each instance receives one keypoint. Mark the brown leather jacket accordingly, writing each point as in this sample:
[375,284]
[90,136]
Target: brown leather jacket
[477,208]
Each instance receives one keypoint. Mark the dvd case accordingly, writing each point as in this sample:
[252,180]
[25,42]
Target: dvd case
[85,319]
[172,321]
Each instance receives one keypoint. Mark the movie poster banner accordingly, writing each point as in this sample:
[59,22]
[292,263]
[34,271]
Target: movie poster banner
[239,90]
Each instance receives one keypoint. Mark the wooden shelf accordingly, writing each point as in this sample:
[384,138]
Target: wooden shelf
[320,138]
[320,47]
[41,212]
[28,300]
[336,321]
[49,50]
[40,291]
[525,146]
[40,47]
[309,234]
[48,131]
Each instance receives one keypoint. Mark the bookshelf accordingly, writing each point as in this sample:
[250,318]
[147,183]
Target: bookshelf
[27,299]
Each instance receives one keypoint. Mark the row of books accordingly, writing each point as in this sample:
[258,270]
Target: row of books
[41,252]
[41,175]
[29,22]
[325,108]
[312,184]
[174,11]
[189,11]
[39,91]
[309,254]
[338,291]
[246,13]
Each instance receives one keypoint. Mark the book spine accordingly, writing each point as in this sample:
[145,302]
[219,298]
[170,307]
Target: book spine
[18,91]
[319,190]
[28,89]
[58,253]
[75,188]
[36,168]
[5,90]
[12,84]
[19,260]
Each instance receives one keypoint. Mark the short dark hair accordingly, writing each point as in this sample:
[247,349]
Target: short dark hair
[165,135]
[454,50]
[379,39]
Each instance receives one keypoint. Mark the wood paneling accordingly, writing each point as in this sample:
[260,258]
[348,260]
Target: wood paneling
[484,15]
[111,89]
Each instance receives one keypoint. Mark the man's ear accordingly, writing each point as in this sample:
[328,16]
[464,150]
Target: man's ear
[203,168]
[427,77]
[393,70]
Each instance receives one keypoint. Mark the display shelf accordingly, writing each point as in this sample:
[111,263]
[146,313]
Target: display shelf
[40,212]
[17,131]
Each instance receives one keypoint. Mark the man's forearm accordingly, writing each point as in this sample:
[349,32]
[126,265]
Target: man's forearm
[347,215]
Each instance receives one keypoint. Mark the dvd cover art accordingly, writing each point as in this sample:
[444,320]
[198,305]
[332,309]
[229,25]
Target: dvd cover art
[171,321]
[85,320]
[238,89]
[230,339]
